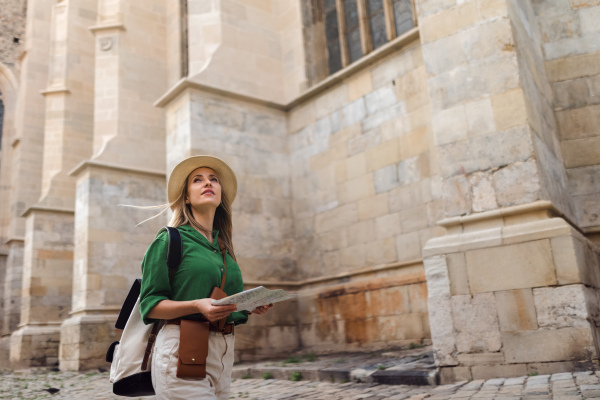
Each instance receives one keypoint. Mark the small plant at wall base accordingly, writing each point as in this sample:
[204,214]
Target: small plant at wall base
[293,360]
[310,357]
[296,376]
[267,375]
[247,376]
[381,367]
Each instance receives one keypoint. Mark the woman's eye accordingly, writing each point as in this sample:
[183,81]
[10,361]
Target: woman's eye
[214,180]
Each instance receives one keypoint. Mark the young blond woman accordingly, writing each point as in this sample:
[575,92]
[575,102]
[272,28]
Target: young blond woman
[200,192]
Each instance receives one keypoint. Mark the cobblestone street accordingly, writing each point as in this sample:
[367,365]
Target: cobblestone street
[38,384]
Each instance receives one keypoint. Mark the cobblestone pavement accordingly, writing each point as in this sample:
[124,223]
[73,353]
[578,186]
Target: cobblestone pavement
[35,384]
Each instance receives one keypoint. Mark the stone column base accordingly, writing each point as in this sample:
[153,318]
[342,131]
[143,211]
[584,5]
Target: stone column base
[84,340]
[34,346]
[512,292]
[5,352]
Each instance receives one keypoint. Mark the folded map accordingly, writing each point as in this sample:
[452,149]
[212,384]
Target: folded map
[249,299]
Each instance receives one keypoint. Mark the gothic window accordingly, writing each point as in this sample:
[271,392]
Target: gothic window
[340,32]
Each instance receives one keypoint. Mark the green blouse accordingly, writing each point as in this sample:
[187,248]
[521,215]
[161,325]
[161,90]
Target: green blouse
[200,271]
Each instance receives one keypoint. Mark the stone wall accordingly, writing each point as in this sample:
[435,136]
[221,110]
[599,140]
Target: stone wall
[366,193]
[12,31]
[569,31]
[538,104]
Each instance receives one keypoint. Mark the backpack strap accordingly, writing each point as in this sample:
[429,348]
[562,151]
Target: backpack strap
[174,257]
[175,251]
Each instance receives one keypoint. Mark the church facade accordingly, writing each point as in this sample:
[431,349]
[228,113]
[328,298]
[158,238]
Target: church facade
[421,171]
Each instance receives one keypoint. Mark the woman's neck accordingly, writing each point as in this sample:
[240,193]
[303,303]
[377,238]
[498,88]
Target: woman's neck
[205,219]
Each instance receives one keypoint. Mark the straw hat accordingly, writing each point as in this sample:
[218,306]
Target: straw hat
[180,173]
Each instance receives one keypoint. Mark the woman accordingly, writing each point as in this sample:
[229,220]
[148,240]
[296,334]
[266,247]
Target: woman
[200,192]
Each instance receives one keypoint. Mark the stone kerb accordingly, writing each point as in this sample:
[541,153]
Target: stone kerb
[512,291]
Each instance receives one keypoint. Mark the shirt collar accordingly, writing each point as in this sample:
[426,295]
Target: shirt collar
[189,228]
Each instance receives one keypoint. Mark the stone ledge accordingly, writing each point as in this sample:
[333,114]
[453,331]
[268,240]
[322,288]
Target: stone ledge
[120,168]
[344,275]
[56,210]
[369,59]
[107,26]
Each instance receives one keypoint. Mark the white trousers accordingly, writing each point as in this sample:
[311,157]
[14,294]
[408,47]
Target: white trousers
[219,364]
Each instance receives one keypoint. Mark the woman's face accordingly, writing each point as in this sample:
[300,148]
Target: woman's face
[203,189]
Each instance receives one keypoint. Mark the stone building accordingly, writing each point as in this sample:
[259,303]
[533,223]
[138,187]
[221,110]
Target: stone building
[416,171]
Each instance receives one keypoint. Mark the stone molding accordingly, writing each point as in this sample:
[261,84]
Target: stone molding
[338,277]
[55,90]
[40,324]
[14,240]
[458,224]
[40,208]
[120,168]
[401,41]
[106,27]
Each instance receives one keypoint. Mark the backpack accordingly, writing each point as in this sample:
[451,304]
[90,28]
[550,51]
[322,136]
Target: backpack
[130,357]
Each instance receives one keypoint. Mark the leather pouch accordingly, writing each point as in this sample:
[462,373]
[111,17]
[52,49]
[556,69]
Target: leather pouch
[218,294]
[193,349]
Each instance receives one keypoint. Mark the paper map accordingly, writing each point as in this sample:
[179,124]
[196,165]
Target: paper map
[248,300]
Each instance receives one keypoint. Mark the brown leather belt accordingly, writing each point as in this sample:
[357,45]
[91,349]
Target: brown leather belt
[227,330]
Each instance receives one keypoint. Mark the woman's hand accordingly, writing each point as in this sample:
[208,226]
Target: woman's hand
[214,313]
[262,309]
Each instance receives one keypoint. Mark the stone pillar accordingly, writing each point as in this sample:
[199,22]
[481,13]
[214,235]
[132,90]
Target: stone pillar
[126,167]
[46,287]
[512,256]
[108,252]
[22,152]
[49,229]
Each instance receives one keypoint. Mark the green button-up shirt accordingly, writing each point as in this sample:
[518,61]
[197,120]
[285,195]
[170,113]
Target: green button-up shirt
[200,271]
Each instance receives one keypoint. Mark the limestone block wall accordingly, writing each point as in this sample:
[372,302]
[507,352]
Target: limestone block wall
[537,101]
[249,48]
[480,126]
[366,193]
[69,101]
[569,31]
[12,26]
[512,293]
[130,36]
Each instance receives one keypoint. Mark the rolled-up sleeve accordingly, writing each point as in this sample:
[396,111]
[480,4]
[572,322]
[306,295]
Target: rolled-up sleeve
[155,278]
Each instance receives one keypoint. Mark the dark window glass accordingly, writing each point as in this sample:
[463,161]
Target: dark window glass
[352,30]
[403,17]
[1,118]
[332,36]
[335,57]
[327,4]
[377,23]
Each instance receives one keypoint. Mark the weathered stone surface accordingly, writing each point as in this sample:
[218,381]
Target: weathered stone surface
[498,371]
[516,310]
[476,323]
[561,307]
[540,345]
[517,266]
[442,330]
[457,271]
[517,183]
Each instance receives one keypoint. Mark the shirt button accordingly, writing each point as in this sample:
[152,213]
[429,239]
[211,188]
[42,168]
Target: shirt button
[214,251]
[221,269]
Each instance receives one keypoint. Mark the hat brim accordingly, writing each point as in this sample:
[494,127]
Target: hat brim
[180,173]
